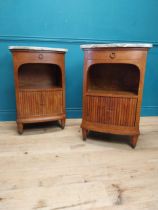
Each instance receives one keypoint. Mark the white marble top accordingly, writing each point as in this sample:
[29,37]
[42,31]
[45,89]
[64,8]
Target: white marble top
[86,46]
[37,48]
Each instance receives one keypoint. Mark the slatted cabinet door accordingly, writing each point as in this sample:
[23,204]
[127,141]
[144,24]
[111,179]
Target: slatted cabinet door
[51,100]
[111,110]
[40,103]
[29,104]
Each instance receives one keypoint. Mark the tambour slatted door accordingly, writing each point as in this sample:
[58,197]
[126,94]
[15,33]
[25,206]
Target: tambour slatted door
[29,104]
[52,99]
[111,110]
[40,103]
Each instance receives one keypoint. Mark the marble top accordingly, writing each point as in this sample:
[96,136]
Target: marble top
[37,48]
[87,46]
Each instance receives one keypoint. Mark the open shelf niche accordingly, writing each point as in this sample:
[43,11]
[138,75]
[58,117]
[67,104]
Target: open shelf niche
[39,76]
[115,79]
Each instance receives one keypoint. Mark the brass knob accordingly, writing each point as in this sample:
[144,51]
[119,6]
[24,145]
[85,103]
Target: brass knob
[40,56]
[112,55]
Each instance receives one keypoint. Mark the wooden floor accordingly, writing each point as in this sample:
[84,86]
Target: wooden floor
[52,169]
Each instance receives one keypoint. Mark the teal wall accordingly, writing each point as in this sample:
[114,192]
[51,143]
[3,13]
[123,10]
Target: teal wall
[69,23]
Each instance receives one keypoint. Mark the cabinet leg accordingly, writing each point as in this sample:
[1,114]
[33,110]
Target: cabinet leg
[62,123]
[84,134]
[134,140]
[20,128]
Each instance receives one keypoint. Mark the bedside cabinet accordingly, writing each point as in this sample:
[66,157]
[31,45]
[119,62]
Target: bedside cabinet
[39,84]
[112,88]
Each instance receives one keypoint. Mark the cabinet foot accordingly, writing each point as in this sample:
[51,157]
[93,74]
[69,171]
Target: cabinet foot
[62,123]
[84,134]
[134,140]
[20,128]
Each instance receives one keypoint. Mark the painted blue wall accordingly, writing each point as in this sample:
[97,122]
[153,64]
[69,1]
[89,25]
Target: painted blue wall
[69,23]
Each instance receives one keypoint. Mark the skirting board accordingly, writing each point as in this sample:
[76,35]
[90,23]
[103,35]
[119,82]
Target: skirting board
[10,115]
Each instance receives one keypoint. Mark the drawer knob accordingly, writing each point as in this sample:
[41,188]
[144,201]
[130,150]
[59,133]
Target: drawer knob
[40,56]
[112,55]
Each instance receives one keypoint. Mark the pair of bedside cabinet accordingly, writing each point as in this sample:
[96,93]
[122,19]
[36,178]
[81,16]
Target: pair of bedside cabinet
[112,87]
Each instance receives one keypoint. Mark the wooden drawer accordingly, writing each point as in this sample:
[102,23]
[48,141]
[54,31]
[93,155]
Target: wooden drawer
[113,55]
[111,110]
[39,103]
[39,57]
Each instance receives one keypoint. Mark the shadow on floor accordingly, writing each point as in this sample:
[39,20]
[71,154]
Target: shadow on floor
[101,138]
[39,128]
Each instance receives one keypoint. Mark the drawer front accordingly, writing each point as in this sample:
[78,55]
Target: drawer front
[39,57]
[111,110]
[113,55]
[39,103]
